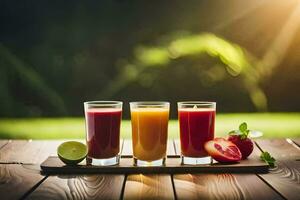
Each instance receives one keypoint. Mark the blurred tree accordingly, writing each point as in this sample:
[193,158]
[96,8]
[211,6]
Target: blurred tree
[23,78]
[55,55]
[234,58]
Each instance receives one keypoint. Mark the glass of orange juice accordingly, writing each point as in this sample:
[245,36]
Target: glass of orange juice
[149,121]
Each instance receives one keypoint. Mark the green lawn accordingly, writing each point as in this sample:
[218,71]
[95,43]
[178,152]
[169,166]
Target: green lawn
[274,125]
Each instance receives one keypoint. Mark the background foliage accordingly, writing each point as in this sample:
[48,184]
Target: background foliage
[56,54]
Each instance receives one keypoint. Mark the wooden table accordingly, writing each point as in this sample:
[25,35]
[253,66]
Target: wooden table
[20,177]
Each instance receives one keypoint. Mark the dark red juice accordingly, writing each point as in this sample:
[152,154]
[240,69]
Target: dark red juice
[103,132]
[197,126]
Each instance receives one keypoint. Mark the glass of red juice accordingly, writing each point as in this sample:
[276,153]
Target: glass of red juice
[197,126]
[103,121]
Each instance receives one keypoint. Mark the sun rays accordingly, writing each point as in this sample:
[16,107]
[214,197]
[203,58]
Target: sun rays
[278,48]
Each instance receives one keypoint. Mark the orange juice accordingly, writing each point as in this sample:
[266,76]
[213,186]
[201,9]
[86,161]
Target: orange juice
[149,133]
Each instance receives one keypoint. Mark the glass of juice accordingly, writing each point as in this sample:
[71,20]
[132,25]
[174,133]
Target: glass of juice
[197,126]
[103,120]
[149,121]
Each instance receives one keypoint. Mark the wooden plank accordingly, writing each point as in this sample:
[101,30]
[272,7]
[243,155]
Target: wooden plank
[141,186]
[28,151]
[149,186]
[297,141]
[173,165]
[222,186]
[279,148]
[3,143]
[80,187]
[16,180]
[285,177]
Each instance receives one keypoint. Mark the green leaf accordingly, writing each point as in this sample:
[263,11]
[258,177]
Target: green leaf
[243,127]
[243,136]
[243,131]
[266,156]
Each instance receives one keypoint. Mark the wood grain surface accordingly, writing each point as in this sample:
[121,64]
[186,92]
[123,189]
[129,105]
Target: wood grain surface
[297,141]
[80,187]
[141,186]
[28,151]
[222,186]
[19,181]
[3,143]
[53,165]
[285,177]
[173,165]
[282,149]
[16,180]
[77,187]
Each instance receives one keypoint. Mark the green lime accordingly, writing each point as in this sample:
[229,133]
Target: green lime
[72,152]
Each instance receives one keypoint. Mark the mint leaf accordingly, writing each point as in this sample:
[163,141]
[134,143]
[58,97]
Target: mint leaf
[266,156]
[245,134]
[244,130]
[243,127]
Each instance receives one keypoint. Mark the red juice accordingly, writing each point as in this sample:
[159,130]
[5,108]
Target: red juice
[103,132]
[197,126]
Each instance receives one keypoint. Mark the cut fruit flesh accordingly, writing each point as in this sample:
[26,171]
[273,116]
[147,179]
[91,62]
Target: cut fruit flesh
[223,150]
[72,152]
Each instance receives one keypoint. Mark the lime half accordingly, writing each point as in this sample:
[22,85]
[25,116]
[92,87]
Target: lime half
[72,152]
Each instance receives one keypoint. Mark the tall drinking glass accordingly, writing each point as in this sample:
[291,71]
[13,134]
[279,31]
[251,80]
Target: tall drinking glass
[149,121]
[197,126]
[103,120]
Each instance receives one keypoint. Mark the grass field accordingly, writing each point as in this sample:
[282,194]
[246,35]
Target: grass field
[273,125]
